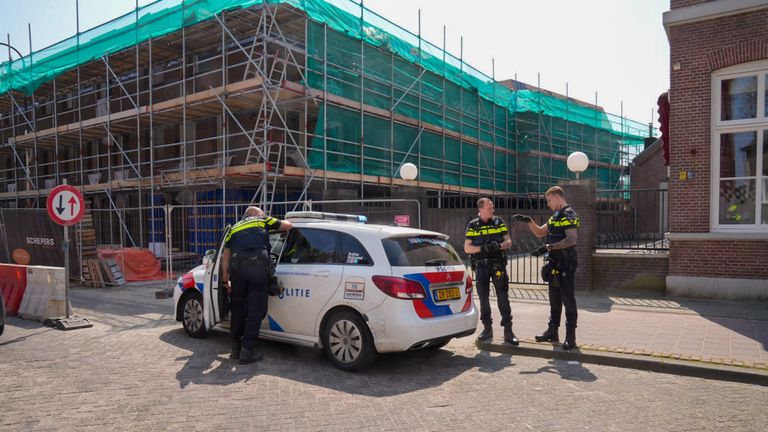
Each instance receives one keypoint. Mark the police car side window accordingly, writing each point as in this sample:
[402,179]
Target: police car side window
[352,252]
[311,246]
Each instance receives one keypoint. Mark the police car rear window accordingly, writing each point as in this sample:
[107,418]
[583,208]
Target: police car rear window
[419,251]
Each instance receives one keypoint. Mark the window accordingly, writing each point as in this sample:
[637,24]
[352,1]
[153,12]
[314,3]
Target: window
[352,252]
[740,148]
[420,251]
[311,246]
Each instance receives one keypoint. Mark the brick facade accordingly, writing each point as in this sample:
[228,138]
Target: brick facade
[697,49]
[645,272]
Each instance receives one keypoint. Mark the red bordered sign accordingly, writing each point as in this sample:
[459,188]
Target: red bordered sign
[65,205]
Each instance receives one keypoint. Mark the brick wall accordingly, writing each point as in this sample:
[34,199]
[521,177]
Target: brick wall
[696,50]
[645,272]
[732,259]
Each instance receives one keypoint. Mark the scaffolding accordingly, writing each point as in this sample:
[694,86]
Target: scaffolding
[212,102]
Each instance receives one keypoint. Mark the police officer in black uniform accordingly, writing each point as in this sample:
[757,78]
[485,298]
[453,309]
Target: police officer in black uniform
[246,267]
[486,241]
[562,233]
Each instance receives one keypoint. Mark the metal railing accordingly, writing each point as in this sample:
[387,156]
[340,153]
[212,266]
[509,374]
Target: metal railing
[632,219]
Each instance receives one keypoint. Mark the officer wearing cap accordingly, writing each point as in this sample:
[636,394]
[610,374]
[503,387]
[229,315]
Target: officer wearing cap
[246,268]
[486,241]
[561,231]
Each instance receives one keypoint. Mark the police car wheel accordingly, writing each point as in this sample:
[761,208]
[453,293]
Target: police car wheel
[348,341]
[192,315]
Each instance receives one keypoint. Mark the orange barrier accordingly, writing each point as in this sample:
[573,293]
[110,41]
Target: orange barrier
[137,264]
[13,282]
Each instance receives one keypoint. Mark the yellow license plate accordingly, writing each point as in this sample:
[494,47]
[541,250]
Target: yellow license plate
[447,294]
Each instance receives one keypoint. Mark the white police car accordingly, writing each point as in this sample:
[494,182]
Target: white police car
[350,288]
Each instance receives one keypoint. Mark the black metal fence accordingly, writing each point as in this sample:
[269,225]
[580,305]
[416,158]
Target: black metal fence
[632,219]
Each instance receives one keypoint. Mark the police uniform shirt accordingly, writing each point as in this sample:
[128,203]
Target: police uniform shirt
[251,234]
[563,219]
[481,232]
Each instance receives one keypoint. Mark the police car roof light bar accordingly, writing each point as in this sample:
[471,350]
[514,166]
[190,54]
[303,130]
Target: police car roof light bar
[326,216]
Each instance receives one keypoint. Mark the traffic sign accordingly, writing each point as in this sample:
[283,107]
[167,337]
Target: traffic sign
[65,205]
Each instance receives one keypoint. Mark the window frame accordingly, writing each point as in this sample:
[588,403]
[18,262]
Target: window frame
[759,125]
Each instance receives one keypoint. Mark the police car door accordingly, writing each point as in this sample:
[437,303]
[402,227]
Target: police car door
[309,270]
[215,296]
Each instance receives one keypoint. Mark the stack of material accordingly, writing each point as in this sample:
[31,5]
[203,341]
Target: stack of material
[100,273]
[137,264]
[88,237]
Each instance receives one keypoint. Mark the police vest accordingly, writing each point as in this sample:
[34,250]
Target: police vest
[563,219]
[251,234]
[481,232]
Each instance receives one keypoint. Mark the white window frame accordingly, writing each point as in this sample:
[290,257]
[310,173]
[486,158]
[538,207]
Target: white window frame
[758,124]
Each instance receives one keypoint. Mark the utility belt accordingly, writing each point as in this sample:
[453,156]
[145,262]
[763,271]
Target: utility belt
[489,262]
[251,255]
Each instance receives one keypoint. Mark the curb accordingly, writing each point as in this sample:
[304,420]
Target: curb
[632,361]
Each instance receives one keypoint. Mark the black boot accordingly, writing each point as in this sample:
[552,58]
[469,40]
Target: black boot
[570,338]
[550,335]
[486,334]
[249,355]
[235,351]
[509,336]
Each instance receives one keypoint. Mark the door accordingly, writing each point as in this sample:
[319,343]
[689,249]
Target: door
[309,270]
[214,306]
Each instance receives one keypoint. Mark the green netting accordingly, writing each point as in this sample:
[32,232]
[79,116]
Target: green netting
[447,93]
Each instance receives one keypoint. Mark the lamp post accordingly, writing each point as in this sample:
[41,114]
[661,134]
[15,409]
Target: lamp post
[578,162]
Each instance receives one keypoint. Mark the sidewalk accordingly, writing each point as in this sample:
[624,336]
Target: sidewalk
[702,333]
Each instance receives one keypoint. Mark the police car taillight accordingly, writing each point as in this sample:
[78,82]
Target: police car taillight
[469,286]
[399,288]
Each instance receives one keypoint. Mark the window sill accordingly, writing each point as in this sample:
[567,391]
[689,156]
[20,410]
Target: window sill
[763,235]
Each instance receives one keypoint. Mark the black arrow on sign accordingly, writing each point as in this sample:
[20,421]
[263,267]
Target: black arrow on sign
[60,208]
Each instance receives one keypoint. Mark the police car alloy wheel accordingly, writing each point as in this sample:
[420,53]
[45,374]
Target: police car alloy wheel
[192,315]
[348,342]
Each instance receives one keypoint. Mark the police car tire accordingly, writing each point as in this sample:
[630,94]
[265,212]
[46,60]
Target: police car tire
[192,315]
[340,326]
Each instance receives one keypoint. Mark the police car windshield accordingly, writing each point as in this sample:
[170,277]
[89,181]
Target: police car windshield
[419,251]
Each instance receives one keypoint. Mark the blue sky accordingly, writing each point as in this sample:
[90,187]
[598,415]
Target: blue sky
[616,48]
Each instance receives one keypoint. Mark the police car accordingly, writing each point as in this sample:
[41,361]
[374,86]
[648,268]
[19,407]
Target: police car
[351,288]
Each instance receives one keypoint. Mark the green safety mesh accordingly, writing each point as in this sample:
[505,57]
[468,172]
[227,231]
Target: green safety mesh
[391,62]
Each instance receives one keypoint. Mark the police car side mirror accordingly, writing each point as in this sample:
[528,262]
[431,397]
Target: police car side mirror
[209,254]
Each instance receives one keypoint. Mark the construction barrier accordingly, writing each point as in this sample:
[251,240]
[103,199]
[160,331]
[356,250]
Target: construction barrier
[45,295]
[33,292]
[13,281]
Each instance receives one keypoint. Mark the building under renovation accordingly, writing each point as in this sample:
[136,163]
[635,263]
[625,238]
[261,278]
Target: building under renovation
[208,103]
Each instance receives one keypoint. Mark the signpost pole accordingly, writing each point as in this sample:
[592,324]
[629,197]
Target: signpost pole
[66,268]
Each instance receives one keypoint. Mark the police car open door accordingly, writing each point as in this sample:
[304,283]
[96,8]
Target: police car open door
[215,307]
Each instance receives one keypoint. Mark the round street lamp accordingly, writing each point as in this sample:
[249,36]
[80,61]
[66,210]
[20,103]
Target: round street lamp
[578,162]
[408,171]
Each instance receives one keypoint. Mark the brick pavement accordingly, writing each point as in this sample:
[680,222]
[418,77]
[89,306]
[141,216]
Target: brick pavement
[136,369]
[719,332]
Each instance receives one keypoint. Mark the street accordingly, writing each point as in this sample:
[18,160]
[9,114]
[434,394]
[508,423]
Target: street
[136,369]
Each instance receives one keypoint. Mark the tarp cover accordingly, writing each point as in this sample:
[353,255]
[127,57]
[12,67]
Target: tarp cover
[137,264]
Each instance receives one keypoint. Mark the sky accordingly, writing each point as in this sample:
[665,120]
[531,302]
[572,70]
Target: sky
[616,49]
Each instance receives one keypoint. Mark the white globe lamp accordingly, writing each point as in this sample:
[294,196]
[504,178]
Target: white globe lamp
[408,171]
[578,162]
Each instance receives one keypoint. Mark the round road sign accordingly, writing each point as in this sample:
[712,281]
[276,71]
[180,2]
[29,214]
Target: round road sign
[65,205]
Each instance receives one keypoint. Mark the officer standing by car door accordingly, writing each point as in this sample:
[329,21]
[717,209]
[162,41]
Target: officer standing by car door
[562,233]
[246,266]
[486,241]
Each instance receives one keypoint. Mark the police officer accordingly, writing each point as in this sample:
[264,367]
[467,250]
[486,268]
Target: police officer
[247,248]
[562,233]
[486,241]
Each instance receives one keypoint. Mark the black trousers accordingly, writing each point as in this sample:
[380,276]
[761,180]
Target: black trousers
[562,294]
[249,278]
[484,273]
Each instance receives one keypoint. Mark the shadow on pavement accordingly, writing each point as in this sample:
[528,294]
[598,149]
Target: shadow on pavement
[208,363]
[568,370]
